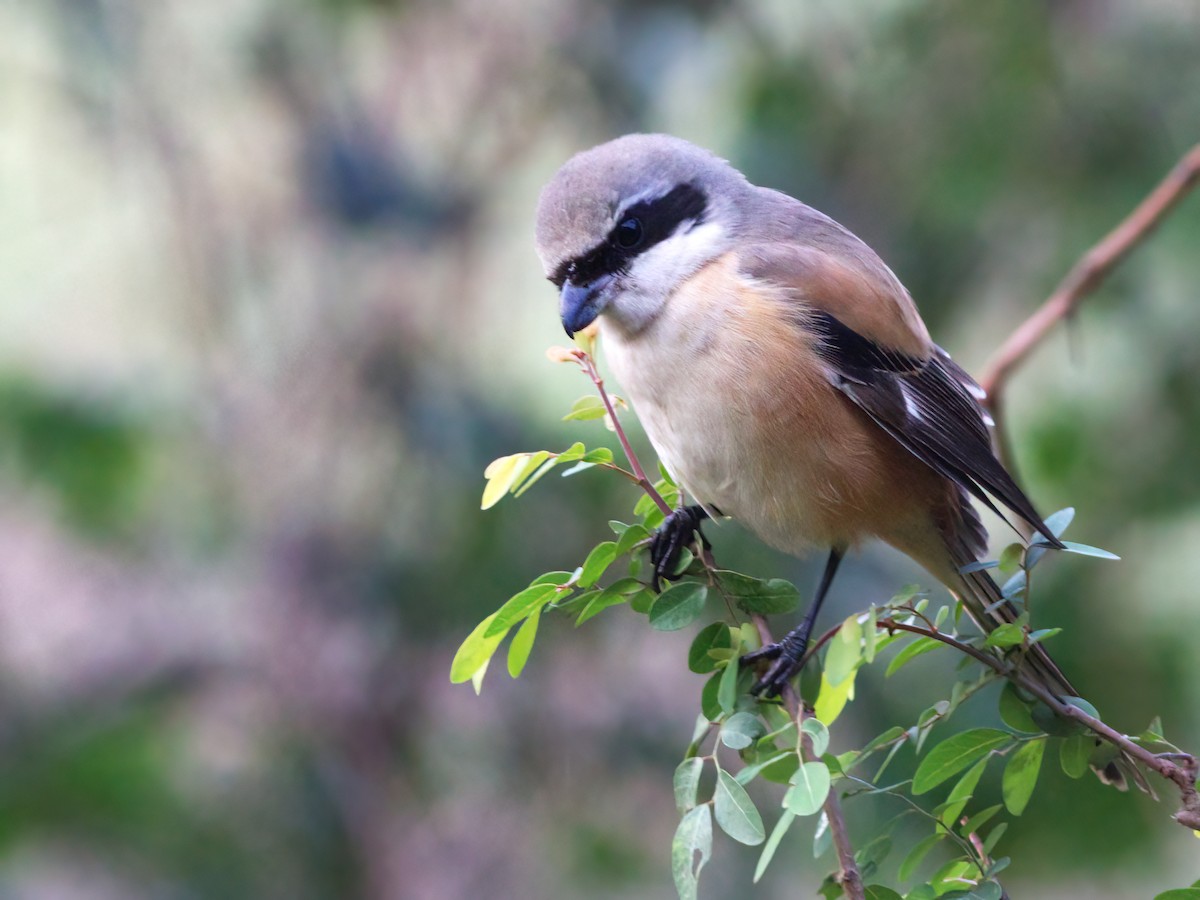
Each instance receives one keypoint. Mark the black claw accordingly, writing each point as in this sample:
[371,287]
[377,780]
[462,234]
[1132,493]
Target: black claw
[786,655]
[677,531]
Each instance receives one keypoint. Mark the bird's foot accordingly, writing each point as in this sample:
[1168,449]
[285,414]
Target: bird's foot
[786,656]
[677,531]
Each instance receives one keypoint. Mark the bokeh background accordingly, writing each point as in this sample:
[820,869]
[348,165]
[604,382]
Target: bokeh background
[269,304]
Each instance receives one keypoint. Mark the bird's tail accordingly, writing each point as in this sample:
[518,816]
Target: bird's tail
[982,599]
[985,603]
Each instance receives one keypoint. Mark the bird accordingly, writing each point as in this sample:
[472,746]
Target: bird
[782,373]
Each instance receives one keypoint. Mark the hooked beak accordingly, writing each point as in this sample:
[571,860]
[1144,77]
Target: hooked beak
[581,303]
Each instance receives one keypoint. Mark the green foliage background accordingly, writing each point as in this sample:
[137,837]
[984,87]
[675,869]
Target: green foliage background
[270,305]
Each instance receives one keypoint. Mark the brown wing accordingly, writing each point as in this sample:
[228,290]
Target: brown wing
[924,401]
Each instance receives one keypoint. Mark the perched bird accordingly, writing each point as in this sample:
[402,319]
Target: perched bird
[781,372]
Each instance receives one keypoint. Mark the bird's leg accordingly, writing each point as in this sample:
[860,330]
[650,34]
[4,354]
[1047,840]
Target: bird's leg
[788,652]
[678,530]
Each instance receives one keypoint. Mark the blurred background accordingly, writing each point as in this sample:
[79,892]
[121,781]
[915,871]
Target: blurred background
[269,304]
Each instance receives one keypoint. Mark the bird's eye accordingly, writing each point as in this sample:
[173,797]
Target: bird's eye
[628,234]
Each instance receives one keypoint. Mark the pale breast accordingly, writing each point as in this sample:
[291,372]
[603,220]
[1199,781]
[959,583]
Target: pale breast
[741,411]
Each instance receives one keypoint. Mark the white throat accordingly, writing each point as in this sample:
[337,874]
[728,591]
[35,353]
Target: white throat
[643,291]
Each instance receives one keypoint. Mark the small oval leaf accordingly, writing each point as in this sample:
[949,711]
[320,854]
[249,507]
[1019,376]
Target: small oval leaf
[735,811]
[954,754]
[678,606]
[1021,773]
[810,787]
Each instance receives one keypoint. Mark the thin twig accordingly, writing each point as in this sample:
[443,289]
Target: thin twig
[1089,273]
[588,364]
[1180,769]
[848,875]
[851,879]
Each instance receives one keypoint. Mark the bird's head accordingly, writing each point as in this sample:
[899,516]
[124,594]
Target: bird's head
[620,226]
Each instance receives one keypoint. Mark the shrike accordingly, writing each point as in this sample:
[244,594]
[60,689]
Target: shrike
[781,371]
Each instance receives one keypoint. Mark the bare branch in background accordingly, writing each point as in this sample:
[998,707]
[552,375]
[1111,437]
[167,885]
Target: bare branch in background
[1088,274]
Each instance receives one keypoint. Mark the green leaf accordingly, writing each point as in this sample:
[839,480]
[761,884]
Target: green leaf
[714,636]
[573,453]
[710,708]
[522,644]
[993,837]
[870,857]
[768,759]
[781,770]
[598,456]
[1073,754]
[600,601]
[678,606]
[844,652]
[581,466]
[961,793]
[954,754]
[532,462]
[475,651]
[1015,585]
[1021,773]
[822,836]
[1085,550]
[1042,634]
[987,890]
[727,692]
[500,475]
[555,578]
[741,730]
[911,652]
[1189,893]
[524,482]
[832,698]
[879,892]
[1010,558]
[817,733]
[631,537]
[870,634]
[978,820]
[922,892]
[810,786]
[1010,634]
[1015,712]
[735,811]
[917,854]
[1057,522]
[687,783]
[757,596]
[694,835]
[777,833]
[597,561]
[520,606]
[879,740]
[587,407]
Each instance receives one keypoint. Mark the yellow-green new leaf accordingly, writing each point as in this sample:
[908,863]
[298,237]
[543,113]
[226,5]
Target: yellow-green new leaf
[844,651]
[832,698]
[500,475]
[475,651]
[522,644]
[521,606]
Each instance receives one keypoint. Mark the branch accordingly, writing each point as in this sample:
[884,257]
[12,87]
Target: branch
[588,363]
[851,879]
[1181,769]
[1089,273]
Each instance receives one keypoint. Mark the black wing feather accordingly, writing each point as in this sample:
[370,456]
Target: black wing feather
[928,407]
